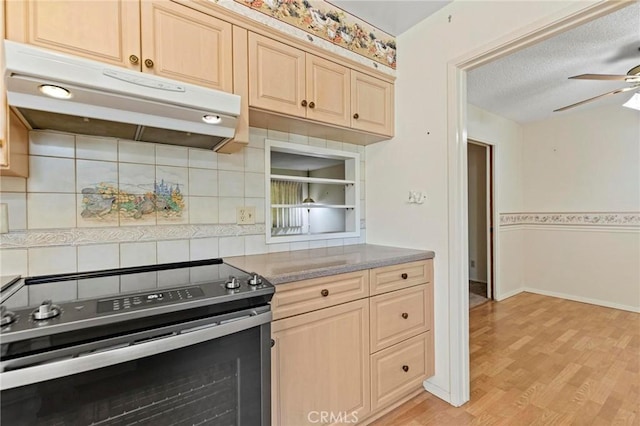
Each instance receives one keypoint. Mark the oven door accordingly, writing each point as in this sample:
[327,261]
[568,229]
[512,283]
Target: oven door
[214,371]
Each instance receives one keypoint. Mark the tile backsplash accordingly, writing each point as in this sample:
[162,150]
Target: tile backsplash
[95,203]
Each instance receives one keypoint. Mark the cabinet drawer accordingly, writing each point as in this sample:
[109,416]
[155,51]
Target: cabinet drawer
[396,277]
[399,315]
[309,295]
[399,370]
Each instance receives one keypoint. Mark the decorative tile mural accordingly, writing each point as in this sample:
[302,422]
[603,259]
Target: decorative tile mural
[322,19]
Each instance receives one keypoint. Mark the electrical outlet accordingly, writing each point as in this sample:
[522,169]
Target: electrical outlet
[245,215]
[473,263]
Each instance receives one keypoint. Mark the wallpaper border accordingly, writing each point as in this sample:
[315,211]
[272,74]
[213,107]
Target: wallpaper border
[589,219]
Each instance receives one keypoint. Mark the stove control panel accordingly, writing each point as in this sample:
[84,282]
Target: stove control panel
[145,300]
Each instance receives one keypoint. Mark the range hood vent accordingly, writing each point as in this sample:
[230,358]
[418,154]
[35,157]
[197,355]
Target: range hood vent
[110,101]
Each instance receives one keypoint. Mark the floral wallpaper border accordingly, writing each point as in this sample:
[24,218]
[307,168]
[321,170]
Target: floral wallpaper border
[85,236]
[613,219]
[328,36]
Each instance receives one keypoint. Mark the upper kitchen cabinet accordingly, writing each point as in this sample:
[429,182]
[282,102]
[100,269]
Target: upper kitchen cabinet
[106,31]
[371,104]
[159,37]
[328,86]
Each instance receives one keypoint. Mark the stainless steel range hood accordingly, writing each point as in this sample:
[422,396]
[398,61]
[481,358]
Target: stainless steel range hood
[104,100]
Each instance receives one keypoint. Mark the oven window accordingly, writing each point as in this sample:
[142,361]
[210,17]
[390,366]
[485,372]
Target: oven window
[218,382]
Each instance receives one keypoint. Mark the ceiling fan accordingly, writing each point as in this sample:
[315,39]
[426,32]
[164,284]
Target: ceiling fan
[632,76]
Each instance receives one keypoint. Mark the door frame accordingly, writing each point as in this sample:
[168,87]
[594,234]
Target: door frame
[577,13]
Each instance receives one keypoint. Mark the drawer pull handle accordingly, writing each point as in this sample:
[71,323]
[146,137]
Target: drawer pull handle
[324,292]
[405,315]
[405,368]
[404,276]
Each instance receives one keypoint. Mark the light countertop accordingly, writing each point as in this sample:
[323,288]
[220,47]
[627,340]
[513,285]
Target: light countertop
[284,267]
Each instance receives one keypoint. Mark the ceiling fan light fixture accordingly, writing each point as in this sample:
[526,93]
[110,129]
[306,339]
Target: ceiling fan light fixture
[633,102]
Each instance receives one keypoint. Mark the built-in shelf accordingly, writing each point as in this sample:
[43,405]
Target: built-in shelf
[304,179]
[313,206]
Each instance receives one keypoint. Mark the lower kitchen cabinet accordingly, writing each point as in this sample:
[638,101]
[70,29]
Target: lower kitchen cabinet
[320,364]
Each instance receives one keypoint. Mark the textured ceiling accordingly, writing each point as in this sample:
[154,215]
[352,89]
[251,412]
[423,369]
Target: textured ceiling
[528,85]
[392,17]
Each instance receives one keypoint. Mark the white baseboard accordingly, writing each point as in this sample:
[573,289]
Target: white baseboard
[437,391]
[502,296]
[582,299]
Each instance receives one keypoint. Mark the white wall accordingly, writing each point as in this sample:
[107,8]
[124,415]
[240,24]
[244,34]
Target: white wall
[417,157]
[584,162]
[477,202]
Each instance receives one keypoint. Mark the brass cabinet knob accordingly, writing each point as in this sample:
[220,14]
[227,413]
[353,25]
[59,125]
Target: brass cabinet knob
[148,63]
[404,276]
[405,315]
[405,368]
[324,292]
[133,59]
[303,103]
[312,104]
[356,116]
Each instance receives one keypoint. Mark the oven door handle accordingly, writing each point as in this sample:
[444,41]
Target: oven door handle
[29,375]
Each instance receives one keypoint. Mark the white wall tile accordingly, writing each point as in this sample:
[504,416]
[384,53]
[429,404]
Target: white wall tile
[58,292]
[203,182]
[136,178]
[168,155]
[137,254]
[254,160]
[351,241]
[203,210]
[17,205]
[48,211]
[14,262]
[363,236]
[254,185]
[136,152]
[173,251]
[258,203]
[90,173]
[335,242]
[230,184]
[255,244]
[276,248]
[49,174]
[300,245]
[96,148]
[227,209]
[362,190]
[234,162]
[137,282]
[203,158]
[13,184]
[52,260]
[99,256]
[231,246]
[299,139]
[257,137]
[349,147]
[173,176]
[203,248]
[98,287]
[51,144]
[334,145]
[362,150]
[277,135]
[322,143]
[317,244]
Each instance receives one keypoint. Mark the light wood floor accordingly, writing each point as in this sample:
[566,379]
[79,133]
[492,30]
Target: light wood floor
[538,360]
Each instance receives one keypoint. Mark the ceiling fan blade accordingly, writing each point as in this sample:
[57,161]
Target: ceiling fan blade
[609,77]
[613,92]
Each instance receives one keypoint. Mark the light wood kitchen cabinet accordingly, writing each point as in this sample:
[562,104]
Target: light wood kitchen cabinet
[372,106]
[289,81]
[320,363]
[158,37]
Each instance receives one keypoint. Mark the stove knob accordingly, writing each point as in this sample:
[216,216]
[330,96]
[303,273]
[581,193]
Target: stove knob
[46,311]
[6,317]
[232,284]
[255,279]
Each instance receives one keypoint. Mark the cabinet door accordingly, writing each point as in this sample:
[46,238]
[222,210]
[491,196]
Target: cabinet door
[106,31]
[371,104]
[276,76]
[183,44]
[328,91]
[320,363]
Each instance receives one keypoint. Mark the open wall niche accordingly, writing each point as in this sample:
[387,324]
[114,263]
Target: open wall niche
[312,193]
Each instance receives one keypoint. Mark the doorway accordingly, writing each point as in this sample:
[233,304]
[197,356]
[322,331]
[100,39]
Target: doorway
[480,222]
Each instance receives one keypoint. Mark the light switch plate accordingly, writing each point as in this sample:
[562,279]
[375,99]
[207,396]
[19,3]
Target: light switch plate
[246,215]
